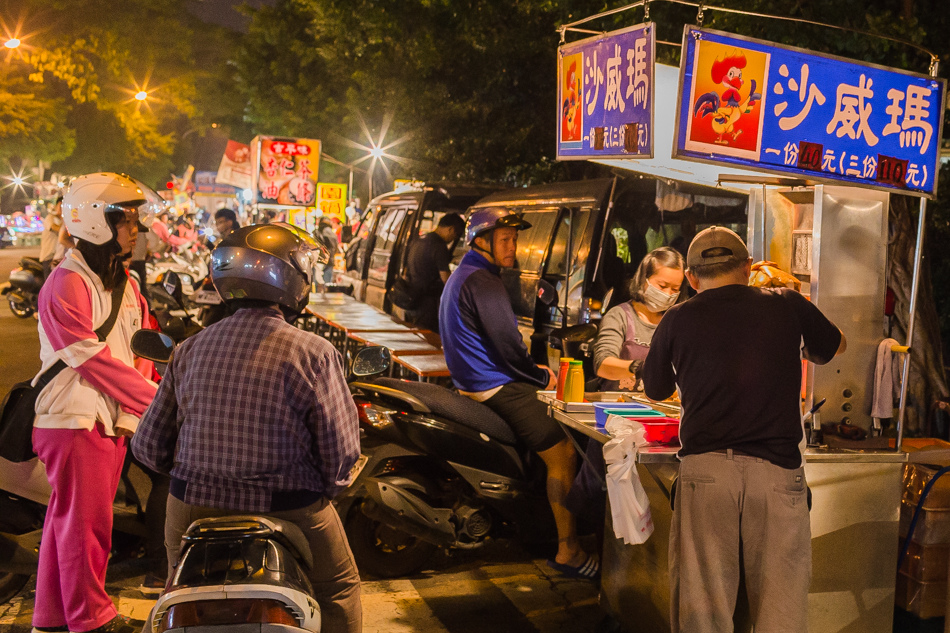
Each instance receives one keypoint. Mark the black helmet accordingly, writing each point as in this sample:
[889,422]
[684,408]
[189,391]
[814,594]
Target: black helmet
[267,262]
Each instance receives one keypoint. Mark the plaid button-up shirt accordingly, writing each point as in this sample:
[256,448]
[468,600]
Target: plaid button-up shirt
[248,407]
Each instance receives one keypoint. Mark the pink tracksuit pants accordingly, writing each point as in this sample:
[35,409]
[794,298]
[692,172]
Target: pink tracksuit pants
[83,468]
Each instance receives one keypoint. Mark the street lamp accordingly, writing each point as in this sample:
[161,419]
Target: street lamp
[12,43]
[141,95]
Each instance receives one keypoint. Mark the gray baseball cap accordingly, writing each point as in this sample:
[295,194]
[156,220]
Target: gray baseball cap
[716,245]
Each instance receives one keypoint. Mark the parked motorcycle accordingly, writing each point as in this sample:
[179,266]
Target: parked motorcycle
[24,288]
[454,477]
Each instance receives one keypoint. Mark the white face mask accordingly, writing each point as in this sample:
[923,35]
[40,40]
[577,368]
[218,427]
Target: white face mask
[658,301]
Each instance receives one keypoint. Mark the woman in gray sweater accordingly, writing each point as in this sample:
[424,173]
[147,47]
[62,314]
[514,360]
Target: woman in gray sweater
[626,330]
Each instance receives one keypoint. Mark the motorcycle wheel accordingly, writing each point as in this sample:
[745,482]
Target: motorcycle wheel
[20,308]
[384,551]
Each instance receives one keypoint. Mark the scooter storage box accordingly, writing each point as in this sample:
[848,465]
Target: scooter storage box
[603,409]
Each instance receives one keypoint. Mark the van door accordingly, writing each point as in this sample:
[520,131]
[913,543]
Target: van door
[387,235]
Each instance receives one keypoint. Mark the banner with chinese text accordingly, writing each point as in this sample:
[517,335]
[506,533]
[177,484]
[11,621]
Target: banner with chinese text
[605,95]
[331,199]
[789,110]
[287,170]
[235,167]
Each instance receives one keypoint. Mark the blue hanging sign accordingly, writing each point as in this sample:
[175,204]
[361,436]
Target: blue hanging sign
[605,95]
[793,111]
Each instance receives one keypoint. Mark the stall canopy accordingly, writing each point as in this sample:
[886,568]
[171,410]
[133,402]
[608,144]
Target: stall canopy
[666,80]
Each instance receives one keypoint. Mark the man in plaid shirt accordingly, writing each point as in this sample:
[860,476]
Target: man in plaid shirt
[254,415]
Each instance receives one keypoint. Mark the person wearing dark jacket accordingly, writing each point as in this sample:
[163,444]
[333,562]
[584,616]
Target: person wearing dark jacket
[490,363]
[427,270]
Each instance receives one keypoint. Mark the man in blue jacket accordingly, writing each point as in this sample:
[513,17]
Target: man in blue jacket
[490,363]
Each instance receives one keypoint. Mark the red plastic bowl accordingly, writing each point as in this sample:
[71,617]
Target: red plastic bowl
[662,430]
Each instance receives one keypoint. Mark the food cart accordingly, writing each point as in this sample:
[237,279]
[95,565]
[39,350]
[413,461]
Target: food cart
[825,223]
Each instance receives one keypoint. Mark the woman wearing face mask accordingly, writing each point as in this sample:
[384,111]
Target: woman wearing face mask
[626,330]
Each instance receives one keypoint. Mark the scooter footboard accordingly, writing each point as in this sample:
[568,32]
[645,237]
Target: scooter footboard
[395,501]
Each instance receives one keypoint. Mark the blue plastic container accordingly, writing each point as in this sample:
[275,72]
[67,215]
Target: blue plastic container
[603,409]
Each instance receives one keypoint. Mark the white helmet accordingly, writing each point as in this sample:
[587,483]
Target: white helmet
[90,197]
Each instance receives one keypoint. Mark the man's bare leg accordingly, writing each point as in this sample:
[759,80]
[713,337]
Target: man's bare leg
[561,462]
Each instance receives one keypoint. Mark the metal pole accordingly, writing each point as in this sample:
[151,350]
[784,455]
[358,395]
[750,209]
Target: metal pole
[915,283]
[568,263]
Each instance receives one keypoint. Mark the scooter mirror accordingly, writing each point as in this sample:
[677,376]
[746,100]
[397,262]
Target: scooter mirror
[171,282]
[546,293]
[152,345]
[605,304]
[371,360]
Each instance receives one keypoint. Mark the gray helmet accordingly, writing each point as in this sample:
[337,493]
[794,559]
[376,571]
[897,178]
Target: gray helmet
[267,262]
[487,219]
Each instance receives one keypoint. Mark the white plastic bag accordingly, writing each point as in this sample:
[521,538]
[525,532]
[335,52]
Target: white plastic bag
[629,506]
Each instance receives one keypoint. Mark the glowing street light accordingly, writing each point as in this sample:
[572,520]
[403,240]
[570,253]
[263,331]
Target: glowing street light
[141,95]
[12,43]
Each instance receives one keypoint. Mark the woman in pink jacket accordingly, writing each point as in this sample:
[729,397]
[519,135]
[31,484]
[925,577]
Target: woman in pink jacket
[86,414]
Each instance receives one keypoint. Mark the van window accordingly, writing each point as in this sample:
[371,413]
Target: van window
[533,242]
[557,263]
[389,230]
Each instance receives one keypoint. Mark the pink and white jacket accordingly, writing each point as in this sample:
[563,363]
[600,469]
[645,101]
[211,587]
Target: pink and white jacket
[101,382]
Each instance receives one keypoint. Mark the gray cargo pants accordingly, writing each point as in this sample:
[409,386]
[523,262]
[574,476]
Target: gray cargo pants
[726,504]
[336,583]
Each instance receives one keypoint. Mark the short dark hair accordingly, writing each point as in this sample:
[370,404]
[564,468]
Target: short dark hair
[711,271]
[227,214]
[58,200]
[663,257]
[452,221]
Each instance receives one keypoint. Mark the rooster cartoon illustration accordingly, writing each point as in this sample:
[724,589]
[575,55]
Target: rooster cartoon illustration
[727,109]
[571,108]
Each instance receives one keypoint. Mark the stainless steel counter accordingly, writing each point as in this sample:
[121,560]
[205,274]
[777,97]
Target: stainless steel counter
[854,523]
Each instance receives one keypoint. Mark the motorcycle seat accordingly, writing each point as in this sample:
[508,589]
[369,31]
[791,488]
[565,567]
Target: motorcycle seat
[31,263]
[449,404]
[251,526]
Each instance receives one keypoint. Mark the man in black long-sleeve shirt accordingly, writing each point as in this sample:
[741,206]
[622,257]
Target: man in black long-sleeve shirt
[489,362]
[734,353]
[427,270]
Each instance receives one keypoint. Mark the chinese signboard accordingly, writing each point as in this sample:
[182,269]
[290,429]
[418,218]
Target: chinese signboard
[776,108]
[286,173]
[605,95]
[331,199]
[235,167]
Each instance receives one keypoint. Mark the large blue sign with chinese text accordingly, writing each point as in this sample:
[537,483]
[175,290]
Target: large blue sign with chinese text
[605,95]
[781,109]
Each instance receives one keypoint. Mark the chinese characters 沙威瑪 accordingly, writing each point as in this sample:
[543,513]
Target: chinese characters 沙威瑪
[814,95]
[612,98]
[914,129]
[593,79]
[638,83]
[852,107]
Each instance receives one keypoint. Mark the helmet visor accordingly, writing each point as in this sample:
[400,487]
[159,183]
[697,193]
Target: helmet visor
[149,206]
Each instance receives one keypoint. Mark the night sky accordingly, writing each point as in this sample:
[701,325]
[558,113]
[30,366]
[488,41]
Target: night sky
[224,12]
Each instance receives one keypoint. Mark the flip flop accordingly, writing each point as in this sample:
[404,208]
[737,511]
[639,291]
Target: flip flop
[588,570]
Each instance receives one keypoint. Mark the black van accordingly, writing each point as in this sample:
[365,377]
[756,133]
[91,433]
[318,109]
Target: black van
[390,223]
[588,237]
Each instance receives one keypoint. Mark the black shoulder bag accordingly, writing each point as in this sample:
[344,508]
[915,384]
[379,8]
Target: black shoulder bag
[19,407]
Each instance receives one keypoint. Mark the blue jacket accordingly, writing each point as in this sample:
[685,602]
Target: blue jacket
[480,337]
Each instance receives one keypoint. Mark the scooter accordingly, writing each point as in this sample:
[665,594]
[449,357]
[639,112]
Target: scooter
[242,571]
[455,475]
[24,288]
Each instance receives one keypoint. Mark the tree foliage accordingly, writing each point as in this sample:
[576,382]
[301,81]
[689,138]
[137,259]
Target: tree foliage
[91,57]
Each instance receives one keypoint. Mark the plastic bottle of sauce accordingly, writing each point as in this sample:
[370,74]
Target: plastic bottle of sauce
[574,388]
[563,368]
